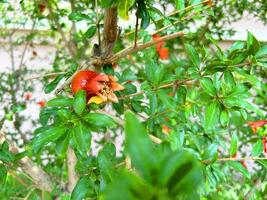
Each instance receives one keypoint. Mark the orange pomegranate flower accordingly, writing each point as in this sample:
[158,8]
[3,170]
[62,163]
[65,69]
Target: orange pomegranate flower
[255,125]
[27,96]
[41,103]
[166,129]
[99,87]
[209,3]
[164,53]
[160,44]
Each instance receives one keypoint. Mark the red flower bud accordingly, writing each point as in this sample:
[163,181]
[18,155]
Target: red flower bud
[27,96]
[41,7]
[255,125]
[41,103]
[164,53]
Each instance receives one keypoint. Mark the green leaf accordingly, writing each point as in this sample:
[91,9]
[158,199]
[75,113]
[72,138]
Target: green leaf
[208,87]
[212,115]
[84,188]
[90,32]
[62,144]
[180,4]
[53,84]
[3,174]
[78,16]
[106,3]
[239,167]
[143,14]
[99,120]
[179,172]
[176,140]
[79,103]
[47,135]
[257,148]
[139,146]
[238,102]
[263,163]
[253,44]
[123,8]
[193,55]
[17,108]
[233,146]
[82,138]
[60,102]
[210,153]
[262,52]
[229,78]
[224,118]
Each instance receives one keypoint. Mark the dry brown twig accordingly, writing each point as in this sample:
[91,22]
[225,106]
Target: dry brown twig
[119,55]
[41,179]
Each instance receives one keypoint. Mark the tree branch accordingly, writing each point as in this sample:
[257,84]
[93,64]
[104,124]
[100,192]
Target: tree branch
[133,49]
[110,31]
[39,176]
[72,175]
[65,40]
[119,55]
[234,159]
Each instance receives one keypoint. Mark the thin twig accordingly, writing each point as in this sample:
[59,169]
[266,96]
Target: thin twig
[133,49]
[97,24]
[173,13]
[65,40]
[119,55]
[136,31]
[176,82]
[44,75]
[234,159]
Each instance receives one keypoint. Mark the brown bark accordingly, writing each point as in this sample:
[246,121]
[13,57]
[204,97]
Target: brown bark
[110,31]
[72,175]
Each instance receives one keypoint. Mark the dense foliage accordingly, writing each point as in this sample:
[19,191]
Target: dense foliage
[192,115]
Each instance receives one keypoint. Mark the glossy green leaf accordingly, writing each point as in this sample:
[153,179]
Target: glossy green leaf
[212,114]
[79,103]
[210,152]
[262,52]
[193,55]
[233,146]
[139,146]
[85,187]
[78,16]
[17,108]
[62,144]
[180,4]
[53,84]
[99,120]
[60,102]
[207,85]
[3,174]
[106,3]
[47,135]
[239,167]
[179,172]
[123,8]
[257,148]
[82,138]
[90,32]
[6,156]
[229,78]
[224,118]
[253,44]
